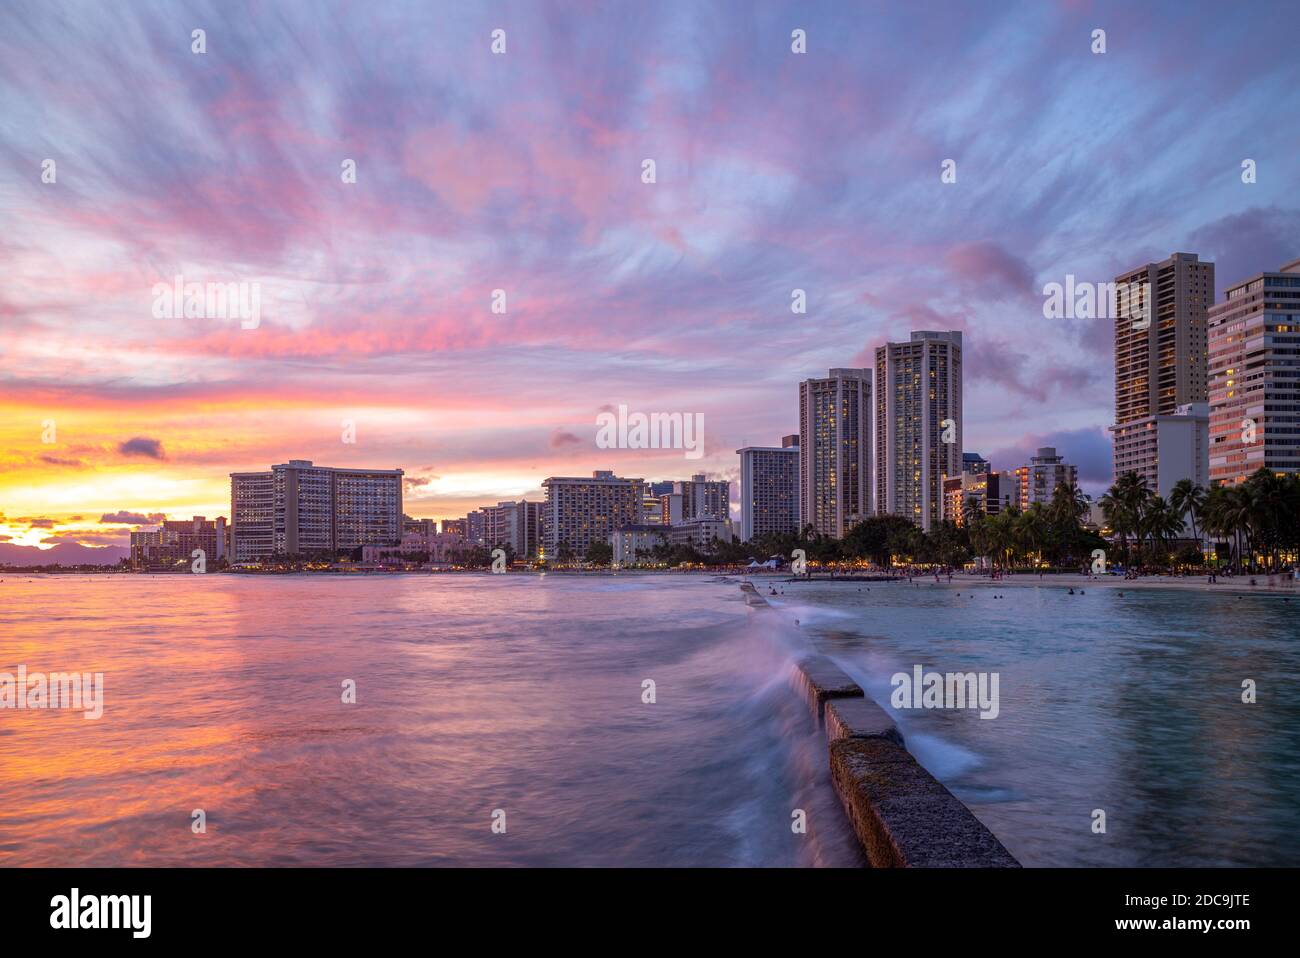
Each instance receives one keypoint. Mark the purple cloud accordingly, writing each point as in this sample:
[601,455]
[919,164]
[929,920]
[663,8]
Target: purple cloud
[141,446]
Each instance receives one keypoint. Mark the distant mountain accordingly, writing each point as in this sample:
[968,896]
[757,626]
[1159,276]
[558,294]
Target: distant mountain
[65,553]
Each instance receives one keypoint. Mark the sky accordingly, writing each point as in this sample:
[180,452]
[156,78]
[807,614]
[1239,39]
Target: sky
[524,171]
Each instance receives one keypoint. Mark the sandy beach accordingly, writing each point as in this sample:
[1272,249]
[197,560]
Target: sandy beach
[1278,584]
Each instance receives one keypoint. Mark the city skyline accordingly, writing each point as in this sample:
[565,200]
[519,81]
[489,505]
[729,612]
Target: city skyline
[378,295]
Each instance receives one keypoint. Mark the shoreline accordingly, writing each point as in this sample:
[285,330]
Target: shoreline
[1283,585]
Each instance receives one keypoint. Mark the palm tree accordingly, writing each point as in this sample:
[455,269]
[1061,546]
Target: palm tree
[1161,521]
[1188,499]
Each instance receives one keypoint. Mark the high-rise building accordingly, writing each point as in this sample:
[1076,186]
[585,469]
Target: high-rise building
[252,515]
[705,498]
[455,526]
[1160,350]
[513,524]
[918,424]
[835,450]
[1039,479]
[476,528]
[974,463]
[1255,377]
[579,511]
[301,509]
[769,489]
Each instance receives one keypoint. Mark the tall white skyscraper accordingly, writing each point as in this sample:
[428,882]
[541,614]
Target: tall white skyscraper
[918,424]
[769,489]
[835,450]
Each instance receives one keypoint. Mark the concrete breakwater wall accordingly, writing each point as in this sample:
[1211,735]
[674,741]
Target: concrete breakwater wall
[903,816]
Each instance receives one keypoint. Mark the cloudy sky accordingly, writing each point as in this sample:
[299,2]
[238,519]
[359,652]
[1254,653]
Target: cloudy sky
[522,172]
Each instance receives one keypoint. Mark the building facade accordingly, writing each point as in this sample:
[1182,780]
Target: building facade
[300,509]
[1254,377]
[1160,313]
[1166,449]
[1039,479]
[174,542]
[769,489]
[918,414]
[835,451]
[632,544]
[986,492]
[579,511]
[513,525]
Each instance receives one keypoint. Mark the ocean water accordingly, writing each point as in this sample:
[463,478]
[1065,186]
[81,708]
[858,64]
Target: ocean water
[1132,705]
[524,694]
[473,694]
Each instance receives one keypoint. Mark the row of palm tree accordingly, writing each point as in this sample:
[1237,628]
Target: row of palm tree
[1258,519]
[1053,531]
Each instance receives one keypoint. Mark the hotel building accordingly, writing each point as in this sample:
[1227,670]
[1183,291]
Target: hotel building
[174,542]
[516,525]
[1255,377]
[918,424]
[302,509]
[769,489]
[1039,479]
[1166,449]
[835,451]
[252,515]
[579,511]
[632,544]
[1160,354]
[699,498]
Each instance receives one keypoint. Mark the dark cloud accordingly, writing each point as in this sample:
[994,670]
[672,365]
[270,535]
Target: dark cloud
[132,518]
[1256,240]
[987,267]
[141,446]
[560,438]
[56,461]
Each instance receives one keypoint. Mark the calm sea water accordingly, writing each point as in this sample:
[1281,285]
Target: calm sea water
[478,693]
[1131,705]
[474,693]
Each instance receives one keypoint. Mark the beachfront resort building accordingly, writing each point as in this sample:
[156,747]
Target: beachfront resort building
[1159,312]
[1166,448]
[769,489]
[579,511]
[300,509]
[513,525]
[1254,377]
[835,450]
[918,415]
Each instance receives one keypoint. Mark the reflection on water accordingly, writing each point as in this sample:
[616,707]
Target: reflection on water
[1129,704]
[474,693]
